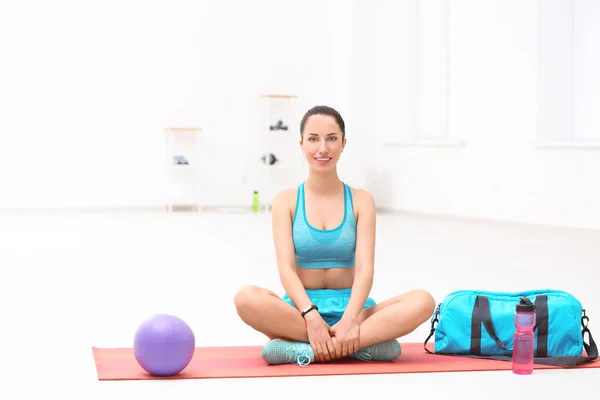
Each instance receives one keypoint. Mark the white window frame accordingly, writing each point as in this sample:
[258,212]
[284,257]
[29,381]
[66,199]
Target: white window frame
[568,88]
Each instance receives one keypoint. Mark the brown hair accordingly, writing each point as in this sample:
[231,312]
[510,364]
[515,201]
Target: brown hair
[323,110]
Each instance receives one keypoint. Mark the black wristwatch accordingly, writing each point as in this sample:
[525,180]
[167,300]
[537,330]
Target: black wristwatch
[309,309]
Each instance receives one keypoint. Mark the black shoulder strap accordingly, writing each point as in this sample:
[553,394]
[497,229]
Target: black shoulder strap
[434,321]
[482,316]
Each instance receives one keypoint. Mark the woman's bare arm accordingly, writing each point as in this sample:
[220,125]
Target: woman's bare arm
[365,253]
[284,249]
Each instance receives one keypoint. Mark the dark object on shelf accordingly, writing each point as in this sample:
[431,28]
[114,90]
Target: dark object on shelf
[180,160]
[272,159]
[279,126]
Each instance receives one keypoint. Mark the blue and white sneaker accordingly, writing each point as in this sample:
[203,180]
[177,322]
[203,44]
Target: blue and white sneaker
[279,351]
[384,351]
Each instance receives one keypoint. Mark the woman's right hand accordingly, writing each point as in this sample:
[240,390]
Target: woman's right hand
[319,336]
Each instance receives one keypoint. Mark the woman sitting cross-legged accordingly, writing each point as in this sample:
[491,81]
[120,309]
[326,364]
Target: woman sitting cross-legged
[324,235]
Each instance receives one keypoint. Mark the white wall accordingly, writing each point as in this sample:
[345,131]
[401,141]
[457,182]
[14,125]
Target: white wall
[498,157]
[478,109]
[88,86]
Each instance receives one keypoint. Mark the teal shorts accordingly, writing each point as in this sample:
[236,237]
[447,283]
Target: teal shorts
[331,302]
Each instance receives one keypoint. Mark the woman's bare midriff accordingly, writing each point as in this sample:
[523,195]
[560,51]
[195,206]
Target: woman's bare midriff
[334,278]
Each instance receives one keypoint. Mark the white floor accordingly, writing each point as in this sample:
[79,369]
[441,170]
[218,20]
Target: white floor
[69,281]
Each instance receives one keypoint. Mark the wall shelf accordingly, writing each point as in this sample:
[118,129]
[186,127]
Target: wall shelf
[277,132]
[181,168]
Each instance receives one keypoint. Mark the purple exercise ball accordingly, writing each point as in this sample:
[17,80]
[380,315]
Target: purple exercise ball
[164,345]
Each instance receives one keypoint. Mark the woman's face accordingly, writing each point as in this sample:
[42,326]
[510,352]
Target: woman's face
[322,142]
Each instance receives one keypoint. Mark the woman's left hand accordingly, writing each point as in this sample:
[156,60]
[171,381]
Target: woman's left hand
[346,333]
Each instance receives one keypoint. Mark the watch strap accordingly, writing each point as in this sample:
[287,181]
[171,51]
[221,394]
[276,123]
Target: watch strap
[309,309]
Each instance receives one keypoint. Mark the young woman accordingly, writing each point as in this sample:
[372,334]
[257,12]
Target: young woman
[324,235]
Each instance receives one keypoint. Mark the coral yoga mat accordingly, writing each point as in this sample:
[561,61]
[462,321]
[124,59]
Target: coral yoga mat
[246,362]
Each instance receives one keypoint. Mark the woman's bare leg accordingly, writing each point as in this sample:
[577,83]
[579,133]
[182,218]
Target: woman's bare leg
[395,317]
[266,312]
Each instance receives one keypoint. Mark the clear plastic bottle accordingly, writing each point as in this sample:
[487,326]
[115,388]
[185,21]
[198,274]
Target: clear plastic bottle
[524,340]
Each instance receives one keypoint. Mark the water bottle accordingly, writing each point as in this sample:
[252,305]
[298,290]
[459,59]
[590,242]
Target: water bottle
[255,202]
[524,341]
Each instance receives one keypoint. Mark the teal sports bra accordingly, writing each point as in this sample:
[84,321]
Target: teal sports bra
[324,248]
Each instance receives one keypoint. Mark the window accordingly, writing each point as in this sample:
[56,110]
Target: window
[412,71]
[568,77]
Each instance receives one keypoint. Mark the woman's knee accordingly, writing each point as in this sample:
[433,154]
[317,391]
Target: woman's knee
[244,298]
[425,303]
[247,299]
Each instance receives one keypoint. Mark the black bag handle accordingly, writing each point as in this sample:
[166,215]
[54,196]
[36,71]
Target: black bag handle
[541,324]
[481,313]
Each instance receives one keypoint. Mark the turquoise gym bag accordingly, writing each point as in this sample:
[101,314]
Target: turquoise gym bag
[481,324]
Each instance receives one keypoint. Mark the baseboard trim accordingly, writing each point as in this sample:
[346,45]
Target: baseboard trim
[27,210]
[484,220]
[232,208]
[126,209]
